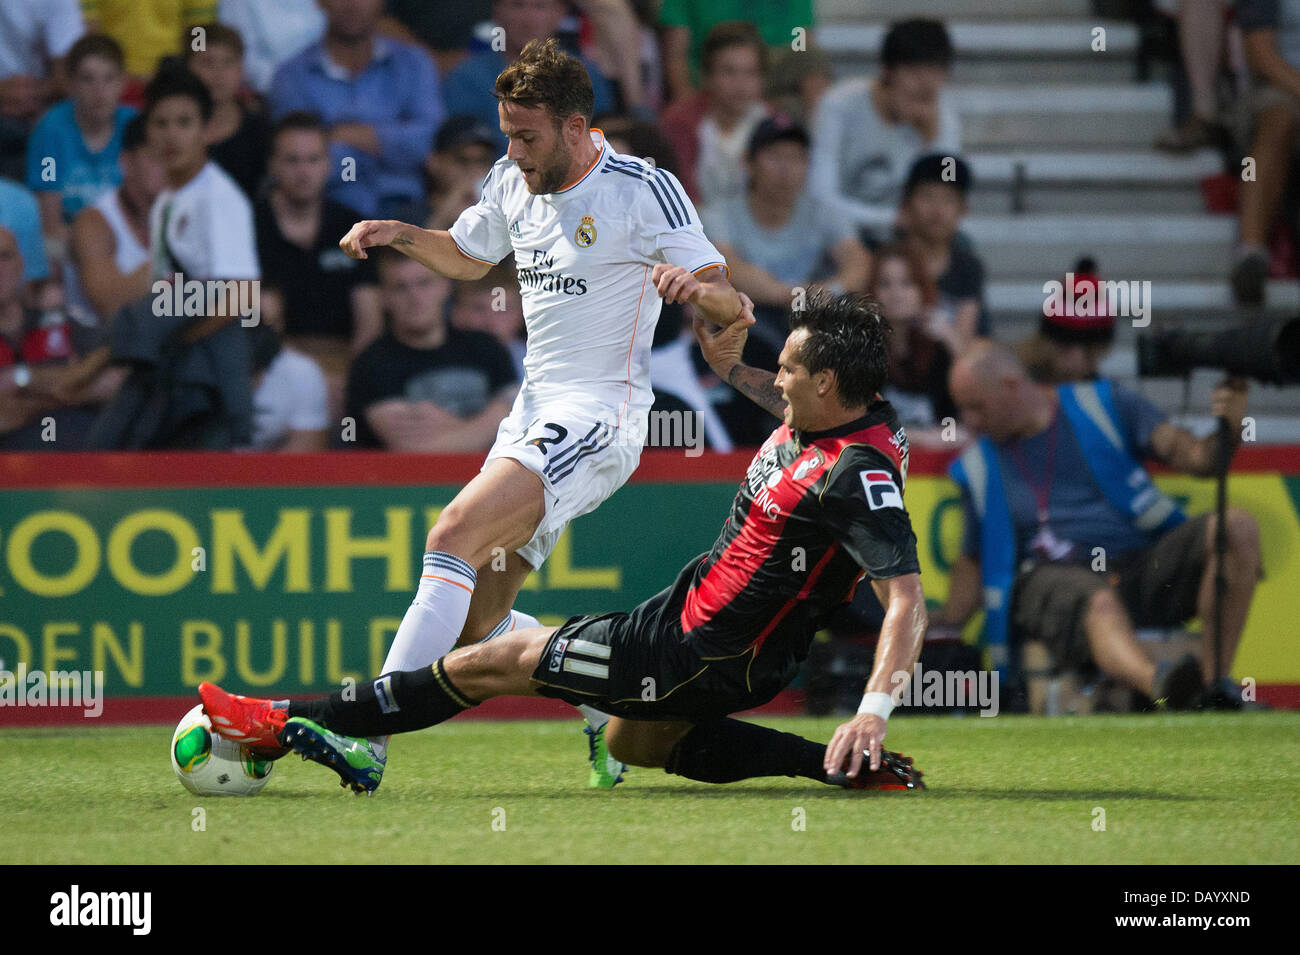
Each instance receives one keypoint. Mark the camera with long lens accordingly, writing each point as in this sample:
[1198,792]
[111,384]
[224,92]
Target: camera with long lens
[1268,352]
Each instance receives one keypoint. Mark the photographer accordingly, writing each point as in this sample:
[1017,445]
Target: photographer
[1068,540]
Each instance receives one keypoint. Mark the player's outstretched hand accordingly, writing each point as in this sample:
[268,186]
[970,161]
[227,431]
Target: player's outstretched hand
[862,734]
[723,346]
[368,234]
[676,283]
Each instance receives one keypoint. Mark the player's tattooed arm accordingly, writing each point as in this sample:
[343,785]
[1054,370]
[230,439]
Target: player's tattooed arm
[758,386]
[722,349]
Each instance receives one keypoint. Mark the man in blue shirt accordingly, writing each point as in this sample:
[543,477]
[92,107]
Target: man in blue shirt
[1069,542]
[20,214]
[73,151]
[381,101]
[468,88]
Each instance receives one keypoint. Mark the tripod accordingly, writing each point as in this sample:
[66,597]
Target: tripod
[1223,461]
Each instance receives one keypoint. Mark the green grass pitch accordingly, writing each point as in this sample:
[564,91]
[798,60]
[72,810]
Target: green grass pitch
[1177,788]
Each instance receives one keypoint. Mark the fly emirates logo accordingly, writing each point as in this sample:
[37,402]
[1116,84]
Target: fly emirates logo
[539,276]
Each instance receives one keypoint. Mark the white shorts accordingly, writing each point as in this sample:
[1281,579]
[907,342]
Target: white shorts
[581,454]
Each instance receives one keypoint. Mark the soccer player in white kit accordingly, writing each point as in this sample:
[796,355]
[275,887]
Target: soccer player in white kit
[598,240]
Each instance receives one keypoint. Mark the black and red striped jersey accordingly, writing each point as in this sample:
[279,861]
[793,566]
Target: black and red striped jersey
[815,512]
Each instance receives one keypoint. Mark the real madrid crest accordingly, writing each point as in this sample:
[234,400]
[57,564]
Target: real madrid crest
[586,234]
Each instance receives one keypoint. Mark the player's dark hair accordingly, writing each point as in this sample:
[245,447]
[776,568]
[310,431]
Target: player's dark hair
[300,120]
[545,75]
[917,42]
[174,79]
[731,33]
[134,134]
[95,44]
[846,335]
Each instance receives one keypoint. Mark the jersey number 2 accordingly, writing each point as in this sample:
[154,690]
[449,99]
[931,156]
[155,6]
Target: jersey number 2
[542,442]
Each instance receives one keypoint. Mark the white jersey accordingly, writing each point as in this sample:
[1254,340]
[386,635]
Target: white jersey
[204,230]
[584,257]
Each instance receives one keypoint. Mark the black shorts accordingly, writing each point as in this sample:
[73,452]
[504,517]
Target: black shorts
[1158,587]
[637,665]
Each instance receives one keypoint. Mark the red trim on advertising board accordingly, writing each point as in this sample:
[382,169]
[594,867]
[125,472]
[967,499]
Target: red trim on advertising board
[181,469]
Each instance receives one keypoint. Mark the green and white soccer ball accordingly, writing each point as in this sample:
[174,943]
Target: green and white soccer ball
[208,764]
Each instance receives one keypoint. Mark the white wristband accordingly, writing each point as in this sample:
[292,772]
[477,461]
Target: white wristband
[877,704]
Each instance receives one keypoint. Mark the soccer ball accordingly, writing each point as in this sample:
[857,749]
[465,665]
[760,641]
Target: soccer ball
[208,764]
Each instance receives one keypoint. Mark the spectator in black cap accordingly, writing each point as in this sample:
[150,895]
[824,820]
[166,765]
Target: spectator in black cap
[463,153]
[934,204]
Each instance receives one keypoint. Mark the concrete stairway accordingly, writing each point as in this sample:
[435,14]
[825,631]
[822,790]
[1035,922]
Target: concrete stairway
[1058,135]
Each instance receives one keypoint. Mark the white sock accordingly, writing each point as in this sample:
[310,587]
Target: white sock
[434,620]
[436,616]
[523,621]
[594,717]
[514,620]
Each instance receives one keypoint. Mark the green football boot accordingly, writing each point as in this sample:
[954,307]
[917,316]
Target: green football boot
[606,771]
[355,760]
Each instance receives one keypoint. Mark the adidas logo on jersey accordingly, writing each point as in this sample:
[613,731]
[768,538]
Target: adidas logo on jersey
[515,231]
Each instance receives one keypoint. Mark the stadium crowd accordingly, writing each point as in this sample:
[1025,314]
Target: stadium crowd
[146,145]
[314,115]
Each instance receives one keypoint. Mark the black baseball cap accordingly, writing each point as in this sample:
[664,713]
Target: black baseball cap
[935,168]
[776,130]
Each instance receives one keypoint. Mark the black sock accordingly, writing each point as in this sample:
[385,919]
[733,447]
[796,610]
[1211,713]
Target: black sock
[394,703]
[727,750]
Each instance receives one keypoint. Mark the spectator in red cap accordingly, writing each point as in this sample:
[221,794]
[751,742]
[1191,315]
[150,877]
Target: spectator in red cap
[1073,335]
